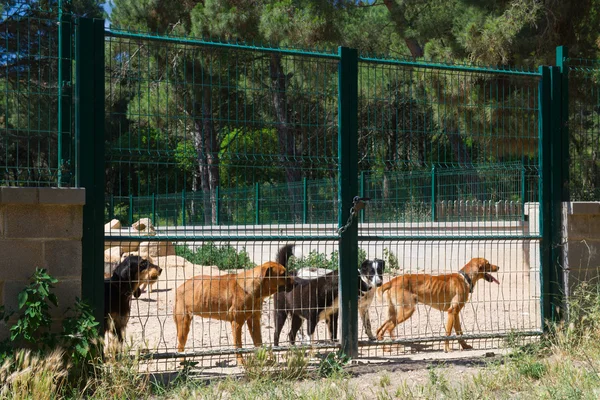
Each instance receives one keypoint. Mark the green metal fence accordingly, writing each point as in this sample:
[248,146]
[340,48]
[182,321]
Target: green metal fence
[582,95]
[231,151]
[410,196]
[234,150]
[37,146]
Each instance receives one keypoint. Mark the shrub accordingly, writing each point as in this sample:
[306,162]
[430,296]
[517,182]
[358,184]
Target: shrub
[78,344]
[225,257]
[320,260]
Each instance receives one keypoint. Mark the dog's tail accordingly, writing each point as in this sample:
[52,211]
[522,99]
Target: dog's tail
[284,254]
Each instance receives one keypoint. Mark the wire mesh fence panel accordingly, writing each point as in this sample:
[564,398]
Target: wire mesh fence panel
[450,155]
[36,108]
[211,155]
[584,139]
[222,166]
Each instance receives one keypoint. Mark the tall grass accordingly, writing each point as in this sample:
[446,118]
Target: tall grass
[563,364]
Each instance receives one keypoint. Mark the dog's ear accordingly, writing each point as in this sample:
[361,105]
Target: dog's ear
[472,267]
[143,264]
[123,270]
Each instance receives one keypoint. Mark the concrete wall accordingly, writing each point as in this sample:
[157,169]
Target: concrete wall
[581,241]
[40,227]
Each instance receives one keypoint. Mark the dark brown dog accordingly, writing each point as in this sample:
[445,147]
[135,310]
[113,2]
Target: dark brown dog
[449,292]
[124,283]
[237,298]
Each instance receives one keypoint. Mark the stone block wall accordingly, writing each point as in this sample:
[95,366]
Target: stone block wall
[581,241]
[40,227]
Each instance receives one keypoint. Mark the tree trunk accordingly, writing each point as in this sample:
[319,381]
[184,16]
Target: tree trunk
[206,144]
[400,22]
[212,151]
[285,135]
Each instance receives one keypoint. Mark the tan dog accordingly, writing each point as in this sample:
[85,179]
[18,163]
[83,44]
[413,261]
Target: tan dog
[449,292]
[237,298]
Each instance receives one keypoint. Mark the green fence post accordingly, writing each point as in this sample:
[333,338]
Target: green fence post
[65,167]
[112,206]
[362,194]
[257,203]
[304,200]
[153,209]
[89,115]
[183,207]
[545,211]
[433,194]
[562,56]
[347,189]
[557,162]
[217,205]
[523,187]
[130,216]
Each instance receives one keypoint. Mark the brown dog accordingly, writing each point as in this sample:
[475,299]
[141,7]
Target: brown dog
[124,283]
[237,298]
[449,292]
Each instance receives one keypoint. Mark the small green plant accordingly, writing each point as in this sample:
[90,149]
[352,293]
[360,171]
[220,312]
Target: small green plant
[332,364]
[80,338]
[259,363]
[78,344]
[33,326]
[224,257]
[391,261]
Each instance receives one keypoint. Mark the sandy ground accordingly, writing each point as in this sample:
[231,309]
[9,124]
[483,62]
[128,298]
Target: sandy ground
[493,309]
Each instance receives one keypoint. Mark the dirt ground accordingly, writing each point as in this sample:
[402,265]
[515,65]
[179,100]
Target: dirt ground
[492,309]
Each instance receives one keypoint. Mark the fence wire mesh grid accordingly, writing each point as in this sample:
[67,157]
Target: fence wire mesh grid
[219,156]
[584,139]
[37,146]
[494,311]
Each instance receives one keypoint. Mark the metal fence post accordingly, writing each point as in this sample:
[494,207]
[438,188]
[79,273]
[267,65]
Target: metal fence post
[347,189]
[90,131]
[433,194]
[112,206]
[362,194]
[257,203]
[130,214]
[562,55]
[217,205]
[557,162]
[153,208]
[304,200]
[562,186]
[523,191]
[183,206]
[545,211]
[65,166]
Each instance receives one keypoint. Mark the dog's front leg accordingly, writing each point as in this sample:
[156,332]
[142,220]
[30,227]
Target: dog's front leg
[449,325]
[236,328]
[364,315]
[459,332]
[254,328]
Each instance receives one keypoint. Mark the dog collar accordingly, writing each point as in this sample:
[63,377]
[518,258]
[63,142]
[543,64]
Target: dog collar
[468,280]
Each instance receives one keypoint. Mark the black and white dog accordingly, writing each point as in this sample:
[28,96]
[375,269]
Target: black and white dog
[316,299]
